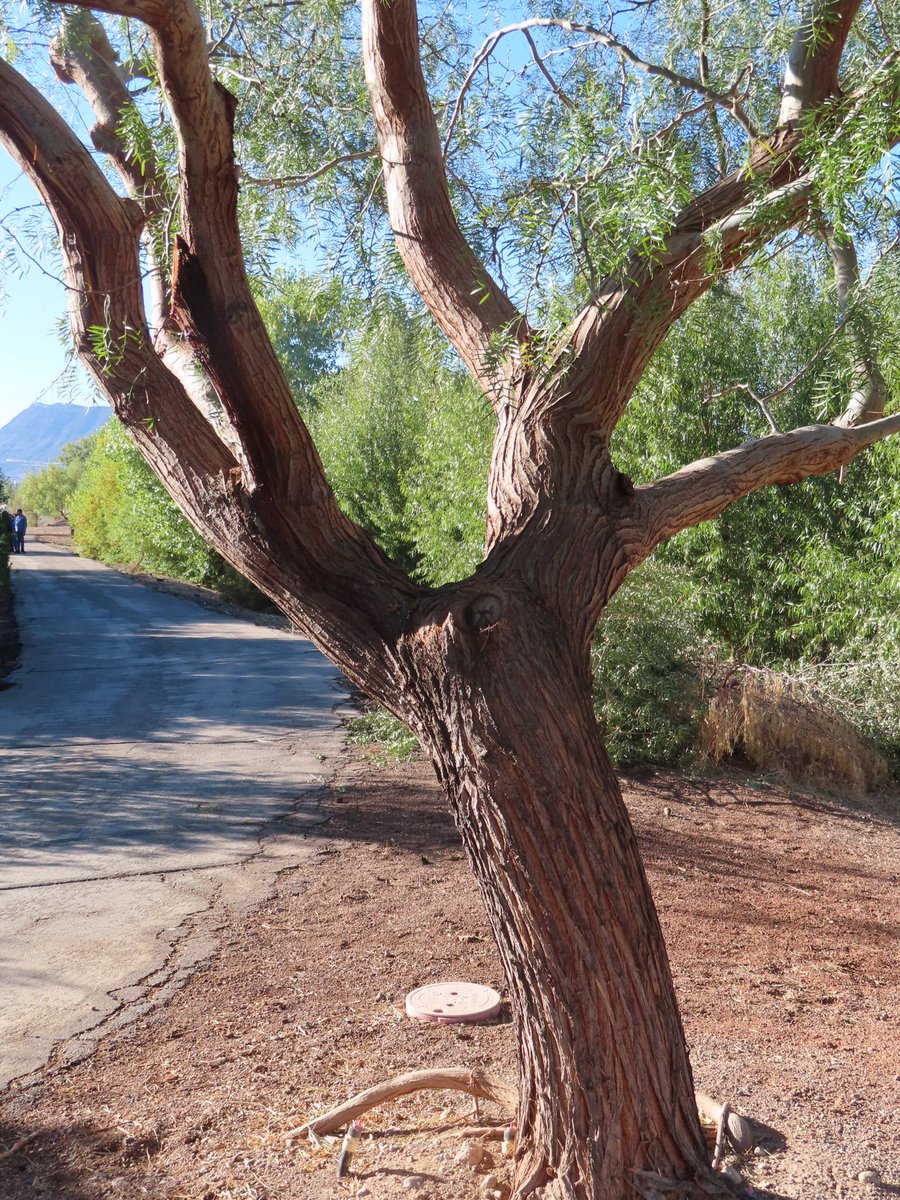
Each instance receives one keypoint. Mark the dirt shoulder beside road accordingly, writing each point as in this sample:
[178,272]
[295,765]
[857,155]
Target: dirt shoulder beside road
[780,911]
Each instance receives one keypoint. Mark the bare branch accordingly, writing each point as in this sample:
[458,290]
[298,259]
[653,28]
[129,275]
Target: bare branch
[458,1079]
[471,308]
[707,487]
[482,56]
[660,134]
[703,58]
[870,391]
[557,90]
[730,101]
[761,402]
[784,388]
[291,181]
[861,406]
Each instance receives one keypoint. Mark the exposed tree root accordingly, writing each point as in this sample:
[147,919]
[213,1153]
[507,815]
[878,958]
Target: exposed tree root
[19,1145]
[737,1128]
[456,1079]
[483,1086]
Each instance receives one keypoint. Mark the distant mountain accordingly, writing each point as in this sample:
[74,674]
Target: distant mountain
[35,437]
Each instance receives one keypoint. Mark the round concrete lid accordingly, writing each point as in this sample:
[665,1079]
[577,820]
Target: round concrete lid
[448,1003]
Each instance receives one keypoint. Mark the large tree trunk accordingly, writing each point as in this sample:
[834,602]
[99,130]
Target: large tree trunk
[606,1087]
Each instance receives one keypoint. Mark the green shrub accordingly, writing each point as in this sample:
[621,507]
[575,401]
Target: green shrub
[122,515]
[649,662]
[376,726]
[405,438]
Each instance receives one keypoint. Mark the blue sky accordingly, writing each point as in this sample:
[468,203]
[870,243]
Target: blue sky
[31,355]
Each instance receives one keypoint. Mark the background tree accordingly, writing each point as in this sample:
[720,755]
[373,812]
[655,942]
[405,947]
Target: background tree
[122,515]
[49,493]
[661,191]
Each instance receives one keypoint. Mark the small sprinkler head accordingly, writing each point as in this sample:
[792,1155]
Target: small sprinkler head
[348,1146]
[509,1140]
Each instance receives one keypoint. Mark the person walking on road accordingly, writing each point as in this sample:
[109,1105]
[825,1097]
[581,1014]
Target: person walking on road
[20,524]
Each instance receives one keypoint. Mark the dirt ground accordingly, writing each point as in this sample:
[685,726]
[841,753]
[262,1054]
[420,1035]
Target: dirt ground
[781,914]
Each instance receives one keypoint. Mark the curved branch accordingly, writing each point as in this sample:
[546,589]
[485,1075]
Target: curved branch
[705,488]
[730,100]
[632,311]
[476,1083]
[327,573]
[467,303]
[344,590]
[870,391]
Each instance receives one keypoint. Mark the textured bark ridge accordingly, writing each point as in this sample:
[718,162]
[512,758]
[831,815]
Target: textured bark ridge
[493,672]
[606,1088]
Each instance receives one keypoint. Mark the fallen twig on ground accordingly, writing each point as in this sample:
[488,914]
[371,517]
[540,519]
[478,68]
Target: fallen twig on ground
[17,1146]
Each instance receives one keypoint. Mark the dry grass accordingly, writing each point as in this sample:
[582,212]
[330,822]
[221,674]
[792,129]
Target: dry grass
[775,723]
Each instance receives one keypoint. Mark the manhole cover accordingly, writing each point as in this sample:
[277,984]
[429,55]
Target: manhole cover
[447,1003]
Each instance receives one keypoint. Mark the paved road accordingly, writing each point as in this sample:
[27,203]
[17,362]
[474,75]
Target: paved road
[153,762]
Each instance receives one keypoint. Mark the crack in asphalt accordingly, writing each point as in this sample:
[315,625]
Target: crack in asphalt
[162,872]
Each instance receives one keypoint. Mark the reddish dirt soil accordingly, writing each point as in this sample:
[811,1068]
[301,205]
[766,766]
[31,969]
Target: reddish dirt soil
[780,910]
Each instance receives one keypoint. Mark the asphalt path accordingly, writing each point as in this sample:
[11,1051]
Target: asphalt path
[157,761]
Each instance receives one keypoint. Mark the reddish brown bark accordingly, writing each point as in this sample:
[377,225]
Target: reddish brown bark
[607,1099]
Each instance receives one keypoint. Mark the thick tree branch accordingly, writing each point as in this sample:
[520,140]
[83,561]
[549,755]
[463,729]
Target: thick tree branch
[704,489]
[467,303]
[815,57]
[212,301]
[82,54]
[328,574]
[632,311]
[99,234]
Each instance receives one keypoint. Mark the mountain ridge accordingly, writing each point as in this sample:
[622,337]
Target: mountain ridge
[35,437]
